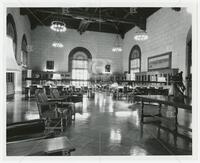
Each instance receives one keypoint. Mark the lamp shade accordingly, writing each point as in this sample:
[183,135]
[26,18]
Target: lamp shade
[11,64]
[141,35]
[117,47]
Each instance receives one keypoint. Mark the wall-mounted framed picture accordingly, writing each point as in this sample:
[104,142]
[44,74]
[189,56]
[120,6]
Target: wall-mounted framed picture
[50,65]
[162,61]
[107,68]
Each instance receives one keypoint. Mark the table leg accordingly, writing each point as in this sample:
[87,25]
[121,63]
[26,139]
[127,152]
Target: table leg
[66,153]
[158,133]
[61,124]
[141,130]
[142,112]
[73,111]
[176,119]
[176,127]
[159,111]
[175,140]
[61,121]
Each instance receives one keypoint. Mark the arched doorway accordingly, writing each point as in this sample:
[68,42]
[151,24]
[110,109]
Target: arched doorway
[189,64]
[79,61]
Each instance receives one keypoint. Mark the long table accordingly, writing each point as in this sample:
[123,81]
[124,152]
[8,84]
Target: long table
[177,103]
[45,146]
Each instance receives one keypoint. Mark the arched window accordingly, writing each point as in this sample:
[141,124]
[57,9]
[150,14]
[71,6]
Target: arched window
[134,61]
[79,59]
[24,51]
[11,31]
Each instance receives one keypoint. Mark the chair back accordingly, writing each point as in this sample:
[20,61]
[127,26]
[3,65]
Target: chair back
[42,103]
[47,90]
[33,88]
[55,94]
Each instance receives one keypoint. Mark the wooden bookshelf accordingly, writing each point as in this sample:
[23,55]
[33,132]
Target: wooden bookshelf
[154,76]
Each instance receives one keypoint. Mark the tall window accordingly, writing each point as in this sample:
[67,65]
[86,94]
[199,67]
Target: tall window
[134,61]
[79,62]
[24,51]
[11,31]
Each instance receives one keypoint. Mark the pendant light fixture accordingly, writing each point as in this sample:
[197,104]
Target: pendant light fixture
[57,43]
[58,26]
[141,35]
[117,47]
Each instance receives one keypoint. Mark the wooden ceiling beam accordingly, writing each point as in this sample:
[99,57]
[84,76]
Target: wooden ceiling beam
[75,18]
[83,26]
[89,16]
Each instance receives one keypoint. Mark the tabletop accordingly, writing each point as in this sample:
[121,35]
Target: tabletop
[180,102]
[25,148]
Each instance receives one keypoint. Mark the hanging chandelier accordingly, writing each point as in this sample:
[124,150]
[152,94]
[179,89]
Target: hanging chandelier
[117,49]
[58,26]
[141,36]
[117,46]
[57,45]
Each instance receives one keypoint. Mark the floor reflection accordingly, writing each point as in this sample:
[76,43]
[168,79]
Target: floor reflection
[82,116]
[137,151]
[104,126]
[115,136]
[174,142]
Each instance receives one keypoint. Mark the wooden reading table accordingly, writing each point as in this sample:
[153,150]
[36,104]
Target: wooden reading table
[176,102]
[46,146]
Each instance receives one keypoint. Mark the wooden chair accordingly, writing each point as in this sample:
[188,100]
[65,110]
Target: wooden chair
[47,90]
[56,95]
[49,111]
[64,102]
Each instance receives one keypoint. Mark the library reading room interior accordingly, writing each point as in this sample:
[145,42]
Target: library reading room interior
[98,81]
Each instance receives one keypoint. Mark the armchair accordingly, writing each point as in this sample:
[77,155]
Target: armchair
[51,112]
[64,101]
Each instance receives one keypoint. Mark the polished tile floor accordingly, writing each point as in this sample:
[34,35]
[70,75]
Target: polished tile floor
[104,126]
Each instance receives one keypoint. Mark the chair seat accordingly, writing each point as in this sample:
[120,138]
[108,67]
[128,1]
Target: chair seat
[49,114]
[58,99]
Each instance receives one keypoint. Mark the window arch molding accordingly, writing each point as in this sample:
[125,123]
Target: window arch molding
[12,32]
[73,52]
[135,60]
[79,61]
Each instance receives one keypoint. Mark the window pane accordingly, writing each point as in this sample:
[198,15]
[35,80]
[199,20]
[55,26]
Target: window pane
[132,72]
[79,72]
[135,63]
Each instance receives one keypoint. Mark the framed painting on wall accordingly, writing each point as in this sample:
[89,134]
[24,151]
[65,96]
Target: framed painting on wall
[50,65]
[162,61]
[107,68]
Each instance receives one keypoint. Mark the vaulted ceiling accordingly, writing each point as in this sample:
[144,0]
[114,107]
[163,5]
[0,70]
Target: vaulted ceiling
[110,20]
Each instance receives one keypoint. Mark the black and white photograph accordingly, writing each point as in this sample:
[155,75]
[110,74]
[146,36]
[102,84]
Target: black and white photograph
[99,80]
